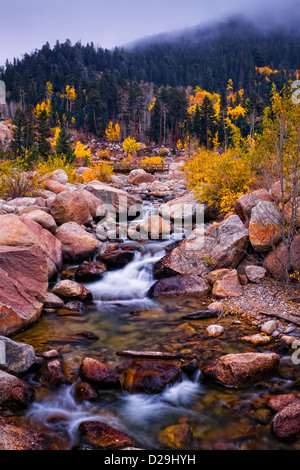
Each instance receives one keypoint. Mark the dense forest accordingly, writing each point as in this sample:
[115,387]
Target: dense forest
[160,91]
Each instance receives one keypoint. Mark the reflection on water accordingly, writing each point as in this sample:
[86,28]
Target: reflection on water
[124,318]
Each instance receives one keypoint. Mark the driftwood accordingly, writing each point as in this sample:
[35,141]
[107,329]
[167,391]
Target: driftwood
[201,314]
[154,354]
[283,316]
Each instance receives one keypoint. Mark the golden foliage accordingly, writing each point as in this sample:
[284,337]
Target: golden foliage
[101,171]
[152,160]
[15,181]
[82,154]
[130,145]
[113,132]
[43,106]
[219,179]
[56,162]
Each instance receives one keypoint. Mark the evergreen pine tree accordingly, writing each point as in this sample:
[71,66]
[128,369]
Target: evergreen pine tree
[64,147]
[44,132]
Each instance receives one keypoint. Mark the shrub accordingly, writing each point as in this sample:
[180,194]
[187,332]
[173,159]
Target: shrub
[219,179]
[15,181]
[100,171]
[56,162]
[154,160]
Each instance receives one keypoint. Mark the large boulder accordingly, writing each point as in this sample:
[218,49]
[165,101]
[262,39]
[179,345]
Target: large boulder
[276,261]
[120,200]
[246,202]
[59,175]
[70,206]
[15,393]
[292,211]
[17,357]
[23,287]
[179,285]
[265,226]
[77,243]
[223,246]
[241,370]
[21,232]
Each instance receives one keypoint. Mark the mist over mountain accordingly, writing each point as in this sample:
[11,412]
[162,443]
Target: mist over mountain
[110,83]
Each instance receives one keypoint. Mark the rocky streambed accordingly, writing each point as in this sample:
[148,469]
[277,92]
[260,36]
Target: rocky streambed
[139,344]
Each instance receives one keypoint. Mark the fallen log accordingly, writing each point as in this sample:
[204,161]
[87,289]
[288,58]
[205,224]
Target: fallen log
[154,354]
[201,314]
[283,316]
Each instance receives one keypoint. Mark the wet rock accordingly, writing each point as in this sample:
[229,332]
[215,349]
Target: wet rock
[214,330]
[53,301]
[149,376]
[72,307]
[90,271]
[51,354]
[14,436]
[116,259]
[228,286]
[257,339]
[103,436]
[255,273]
[16,357]
[176,436]
[265,226]
[286,422]
[179,285]
[241,370]
[23,287]
[71,290]
[278,402]
[51,373]
[84,391]
[99,374]
[77,243]
[14,392]
[21,232]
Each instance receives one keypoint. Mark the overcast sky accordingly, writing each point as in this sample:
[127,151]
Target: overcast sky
[25,25]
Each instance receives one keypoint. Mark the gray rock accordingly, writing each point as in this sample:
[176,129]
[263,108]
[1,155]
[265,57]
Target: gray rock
[16,357]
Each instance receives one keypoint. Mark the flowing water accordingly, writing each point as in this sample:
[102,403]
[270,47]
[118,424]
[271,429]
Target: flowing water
[124,317]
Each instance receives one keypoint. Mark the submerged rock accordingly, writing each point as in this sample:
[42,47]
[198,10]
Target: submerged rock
[150,376]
